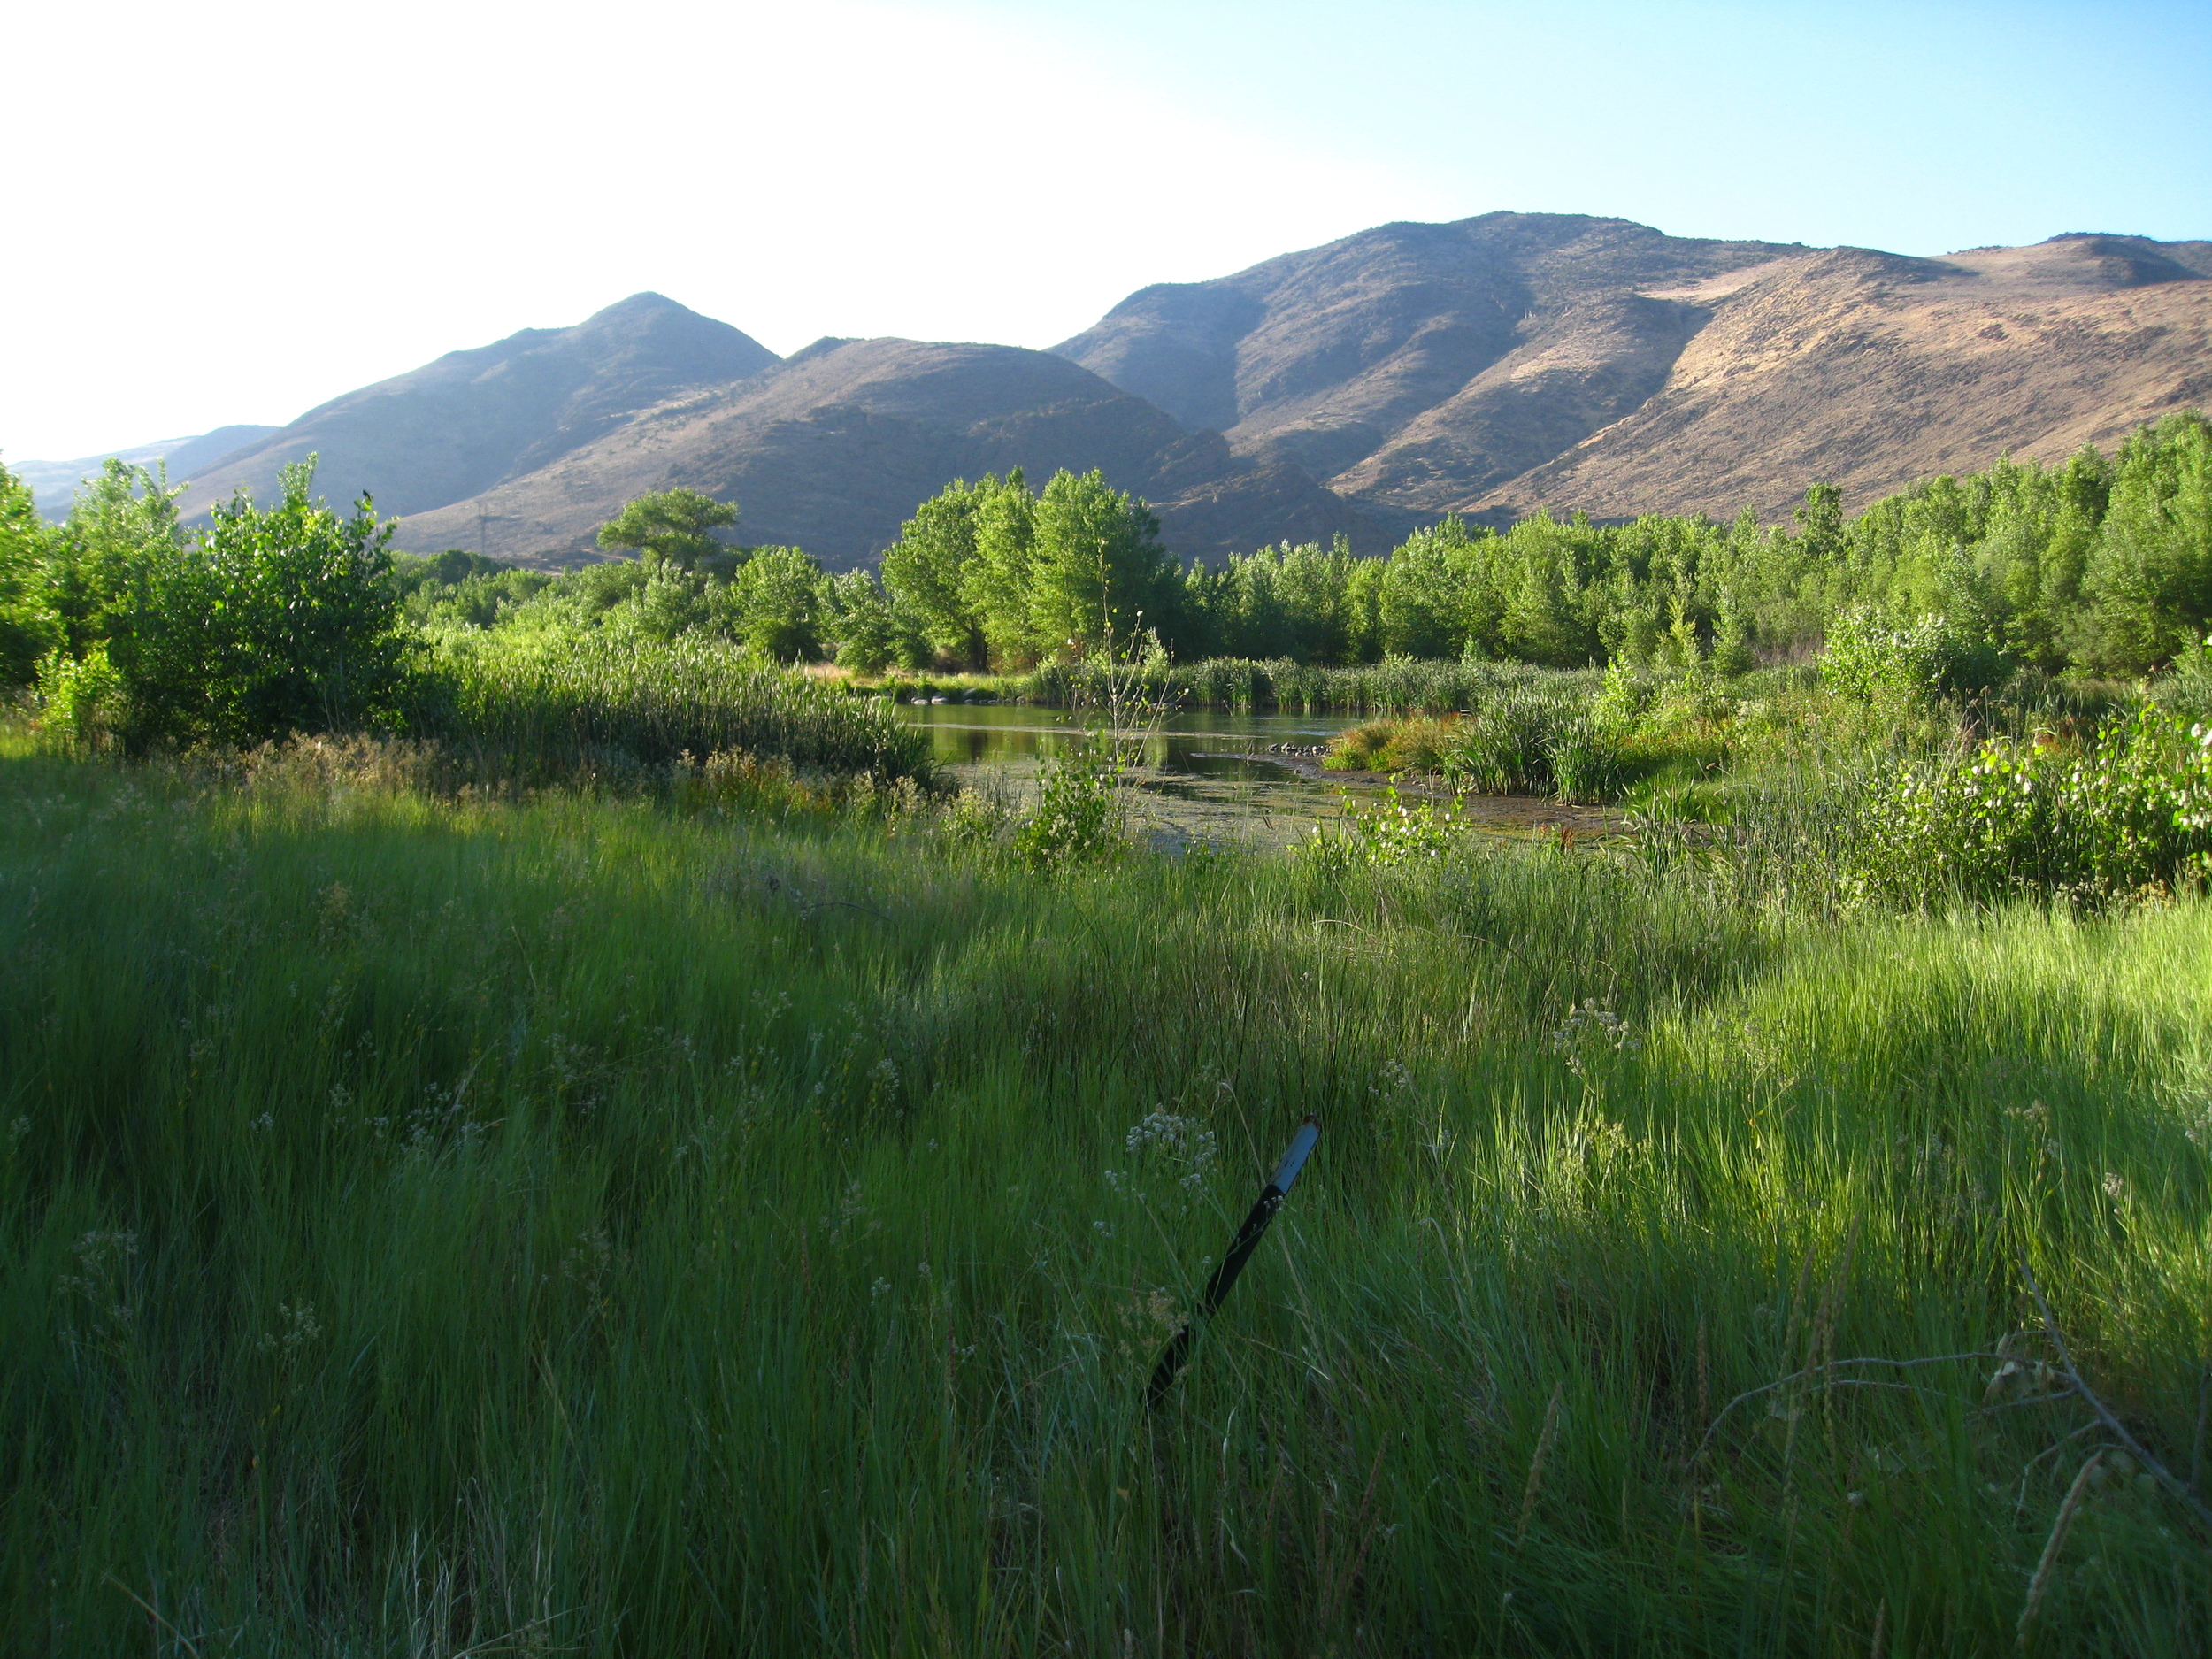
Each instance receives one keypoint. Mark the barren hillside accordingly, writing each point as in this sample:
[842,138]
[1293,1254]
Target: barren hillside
[1870,371]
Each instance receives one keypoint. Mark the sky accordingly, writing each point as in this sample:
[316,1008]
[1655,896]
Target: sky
[233,210]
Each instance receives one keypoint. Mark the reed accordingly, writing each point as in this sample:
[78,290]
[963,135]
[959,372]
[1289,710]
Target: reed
[545,709]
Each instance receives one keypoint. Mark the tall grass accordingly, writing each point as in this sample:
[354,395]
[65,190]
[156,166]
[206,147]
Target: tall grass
[429,1227]
[1396,686]
[555,708]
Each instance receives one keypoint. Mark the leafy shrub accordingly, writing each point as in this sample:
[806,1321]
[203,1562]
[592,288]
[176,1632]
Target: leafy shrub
[279,620]
[1382,838]
[81,701]
[1079,816]
[1874,659]
[2130,811]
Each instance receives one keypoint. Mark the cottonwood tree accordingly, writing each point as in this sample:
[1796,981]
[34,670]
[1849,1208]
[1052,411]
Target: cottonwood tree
[671,527]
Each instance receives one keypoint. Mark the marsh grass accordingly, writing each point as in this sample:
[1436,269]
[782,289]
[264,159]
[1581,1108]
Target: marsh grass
[534,711]
[432,1225]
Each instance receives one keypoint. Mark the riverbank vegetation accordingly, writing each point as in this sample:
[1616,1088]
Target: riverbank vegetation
[541,1130]
[2097,566]
[433,1222]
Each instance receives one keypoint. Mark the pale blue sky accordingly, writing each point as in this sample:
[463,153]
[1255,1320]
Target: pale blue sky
[242,209]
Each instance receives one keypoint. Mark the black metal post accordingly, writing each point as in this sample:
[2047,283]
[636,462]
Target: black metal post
[1240,1248]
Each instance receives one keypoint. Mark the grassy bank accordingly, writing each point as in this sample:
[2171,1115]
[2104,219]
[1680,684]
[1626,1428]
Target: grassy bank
[432,1226]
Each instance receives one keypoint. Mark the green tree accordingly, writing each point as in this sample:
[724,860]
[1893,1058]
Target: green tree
[999,578]
[123,522]
[670,526]
[2149,582]
[280,619]
[870,632]
[776,601]
[929,572]
[1098,568]
[28,629]
[1427,588]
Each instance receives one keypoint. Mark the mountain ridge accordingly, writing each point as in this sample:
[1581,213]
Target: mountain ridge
[1492,366]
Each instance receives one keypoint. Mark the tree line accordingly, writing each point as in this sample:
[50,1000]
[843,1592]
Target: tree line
[295,616]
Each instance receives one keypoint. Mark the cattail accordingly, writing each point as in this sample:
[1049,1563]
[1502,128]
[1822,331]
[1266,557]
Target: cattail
[1536,1464]
[2052,1545]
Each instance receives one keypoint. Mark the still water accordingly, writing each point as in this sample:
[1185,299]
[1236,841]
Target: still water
[1207,775]
[1204,775]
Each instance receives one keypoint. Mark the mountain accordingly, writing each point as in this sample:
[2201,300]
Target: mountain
[1492,366]
[1413,357]
[833,449]
[1870,371]
[1514,361]
[470,420]
[54,483]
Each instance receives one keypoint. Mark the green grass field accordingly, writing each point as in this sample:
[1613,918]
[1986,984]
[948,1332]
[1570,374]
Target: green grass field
[575,1226]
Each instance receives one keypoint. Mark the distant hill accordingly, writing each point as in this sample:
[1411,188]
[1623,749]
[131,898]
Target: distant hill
[834,448]
[1870,371]
[1515,361]
[464,423]
[1491,366]
[54,483]
[1501,340]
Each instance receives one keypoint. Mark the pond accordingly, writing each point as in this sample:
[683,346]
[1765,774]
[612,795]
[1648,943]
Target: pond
[1206,774]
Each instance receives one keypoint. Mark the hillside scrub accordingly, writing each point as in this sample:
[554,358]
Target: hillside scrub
[436,1225]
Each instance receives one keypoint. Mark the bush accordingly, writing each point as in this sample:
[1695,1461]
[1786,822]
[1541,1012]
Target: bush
[1079,816]
[2129,811]
[81,702]
[280,620]
[1873,659]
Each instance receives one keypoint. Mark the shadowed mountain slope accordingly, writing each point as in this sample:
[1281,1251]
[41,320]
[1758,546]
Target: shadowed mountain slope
[456,427]
[834,450]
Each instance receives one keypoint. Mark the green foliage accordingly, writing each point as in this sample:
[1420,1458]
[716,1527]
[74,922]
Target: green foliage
[2126,811]
[81,703]
[2149,579]
[1097,571]
[670,526]
[278,619]
[1391,834]
[27,626]
[560,706]
[122,531]
[933,575]
[1080,816]
[774,603]
[872,635]
[990,573]
[1876,659]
